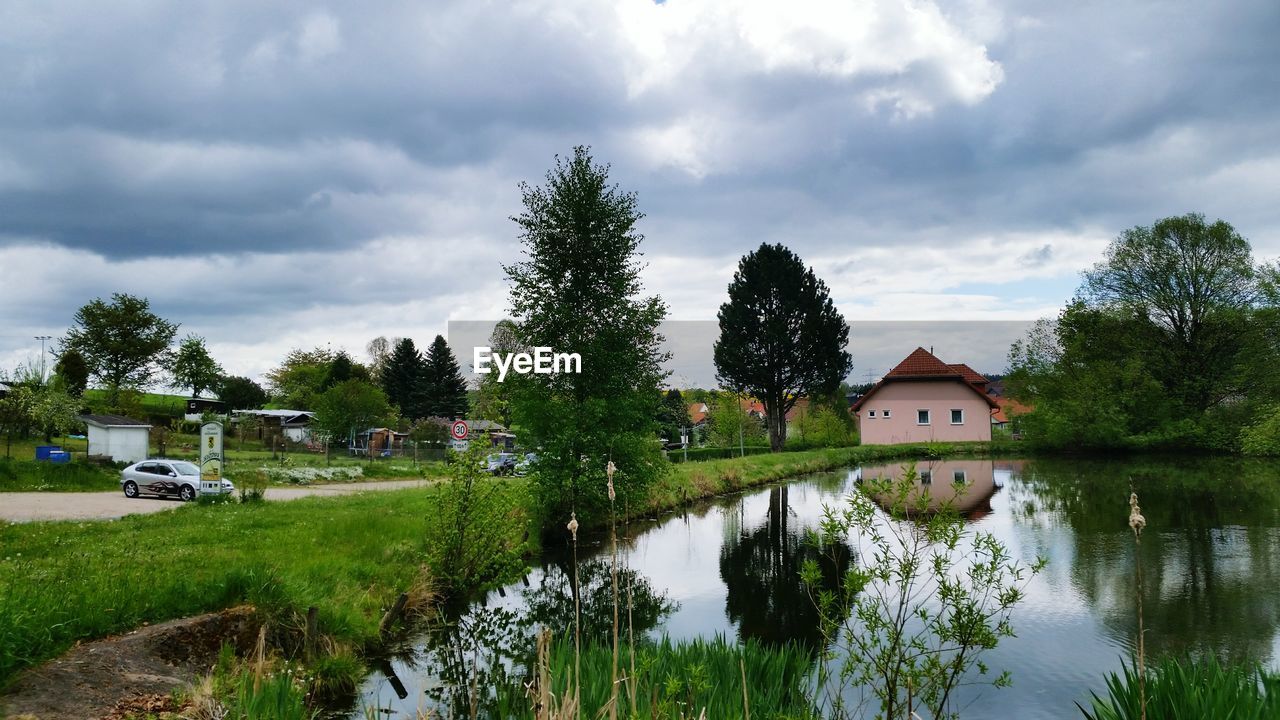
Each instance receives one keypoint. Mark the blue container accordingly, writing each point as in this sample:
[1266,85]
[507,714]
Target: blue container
[43,451]
[59,456]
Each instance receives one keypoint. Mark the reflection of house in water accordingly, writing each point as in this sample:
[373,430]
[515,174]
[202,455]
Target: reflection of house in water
[967,484]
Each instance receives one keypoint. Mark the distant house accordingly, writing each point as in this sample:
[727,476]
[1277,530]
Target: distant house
[924,399]
[197,407]
[495,433]
[292,424]
[380,442]
[118,437]
[4,390]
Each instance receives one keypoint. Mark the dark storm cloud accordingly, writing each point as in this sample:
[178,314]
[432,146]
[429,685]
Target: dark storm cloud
[355,164]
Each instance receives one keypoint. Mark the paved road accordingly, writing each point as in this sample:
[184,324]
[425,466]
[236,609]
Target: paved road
[26,507]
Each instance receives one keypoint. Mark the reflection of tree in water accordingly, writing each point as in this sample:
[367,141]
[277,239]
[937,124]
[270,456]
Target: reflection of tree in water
[550,602]
[1210,553]
[761,570]
[484,647]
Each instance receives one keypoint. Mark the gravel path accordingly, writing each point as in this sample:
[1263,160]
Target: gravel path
[29,506]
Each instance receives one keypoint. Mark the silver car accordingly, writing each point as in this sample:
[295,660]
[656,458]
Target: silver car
[166,478]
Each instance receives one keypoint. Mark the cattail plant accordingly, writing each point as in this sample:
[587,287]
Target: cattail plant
[613,576]
[577,613]
[1136,523]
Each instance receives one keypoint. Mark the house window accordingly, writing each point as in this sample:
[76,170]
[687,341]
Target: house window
[958,477]
[871,414]
[885,413]
[957,417]
[922,417]
[926,477]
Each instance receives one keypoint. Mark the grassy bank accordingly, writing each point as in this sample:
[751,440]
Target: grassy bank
[31,476]
[349,557]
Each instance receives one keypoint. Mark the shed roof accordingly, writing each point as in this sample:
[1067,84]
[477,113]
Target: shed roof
[113,421]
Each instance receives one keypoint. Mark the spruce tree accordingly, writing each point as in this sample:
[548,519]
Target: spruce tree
[441,385]
[401,379]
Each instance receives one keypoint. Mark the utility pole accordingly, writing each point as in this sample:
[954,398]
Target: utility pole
[42,339]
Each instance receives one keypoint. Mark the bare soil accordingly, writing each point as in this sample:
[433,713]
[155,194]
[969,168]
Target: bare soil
[134,673]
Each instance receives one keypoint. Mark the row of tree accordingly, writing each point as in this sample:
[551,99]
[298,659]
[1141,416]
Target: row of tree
[1173,340]
[578,288]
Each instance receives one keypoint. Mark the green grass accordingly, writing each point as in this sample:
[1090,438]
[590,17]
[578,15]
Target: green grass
[1191,689]
[680,680]
[61,582]
[31,476]
[151,403]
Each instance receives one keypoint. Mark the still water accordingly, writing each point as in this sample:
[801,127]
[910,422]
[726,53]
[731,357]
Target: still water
[1210,560]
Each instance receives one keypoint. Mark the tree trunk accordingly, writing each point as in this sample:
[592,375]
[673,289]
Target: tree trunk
[777,423]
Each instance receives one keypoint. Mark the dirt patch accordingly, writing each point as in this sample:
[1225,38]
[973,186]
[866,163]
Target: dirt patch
[112,677]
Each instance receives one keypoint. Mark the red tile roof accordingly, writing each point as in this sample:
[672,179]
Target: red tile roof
[921,363]
[924,365]
[697,412]
[969,374]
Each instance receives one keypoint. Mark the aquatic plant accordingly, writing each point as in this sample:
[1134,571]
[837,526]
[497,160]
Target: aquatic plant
[1188,688]
[911,619]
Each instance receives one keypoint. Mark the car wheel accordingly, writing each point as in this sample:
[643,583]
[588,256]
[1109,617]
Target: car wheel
[131,489]
[187,493]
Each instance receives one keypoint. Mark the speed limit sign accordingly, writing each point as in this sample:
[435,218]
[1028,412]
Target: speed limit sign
[459,430]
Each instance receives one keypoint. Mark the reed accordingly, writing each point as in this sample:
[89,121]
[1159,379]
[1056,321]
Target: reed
[715,678]
[1188,688]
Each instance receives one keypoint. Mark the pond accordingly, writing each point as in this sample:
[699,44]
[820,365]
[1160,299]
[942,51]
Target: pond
[1210,561]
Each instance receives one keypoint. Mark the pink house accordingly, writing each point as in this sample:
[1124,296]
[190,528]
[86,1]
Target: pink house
[923,400]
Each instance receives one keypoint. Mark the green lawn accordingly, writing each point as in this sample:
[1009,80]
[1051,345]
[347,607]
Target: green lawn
[65,581]
[31,476]
[61,582]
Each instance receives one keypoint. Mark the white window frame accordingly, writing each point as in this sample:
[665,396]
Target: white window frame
[871,413]
[953,416]
[885,413]
[928,415]
[926,477]
[959,476]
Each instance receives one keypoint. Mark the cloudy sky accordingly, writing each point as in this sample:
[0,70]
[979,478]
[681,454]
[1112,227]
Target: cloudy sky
[277,175]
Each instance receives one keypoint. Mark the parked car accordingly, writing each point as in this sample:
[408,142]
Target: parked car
[166,478]
[523,463]
[500,464]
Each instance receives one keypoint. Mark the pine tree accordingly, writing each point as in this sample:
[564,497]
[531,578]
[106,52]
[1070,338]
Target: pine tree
[781,337]
[401,378]
[441,385]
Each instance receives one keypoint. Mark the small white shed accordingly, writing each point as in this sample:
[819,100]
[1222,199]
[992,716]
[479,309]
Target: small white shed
[118,437]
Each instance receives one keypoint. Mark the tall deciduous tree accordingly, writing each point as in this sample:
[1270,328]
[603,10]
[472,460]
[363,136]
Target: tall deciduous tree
[351,405]
[578,290]
[300,378]
[241,393]
[124,344]
[74,372]
[493,398]
[401,374]
[441,385]
[194,367]
[1195,282]
[781,337]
